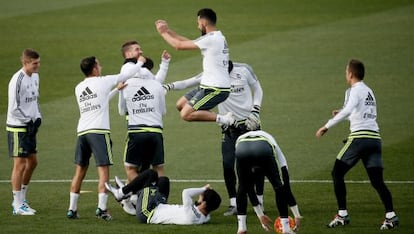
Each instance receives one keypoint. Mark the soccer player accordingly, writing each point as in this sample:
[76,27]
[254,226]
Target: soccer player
[244,102]
[92,95]
[153,194]
[363,143]
[259,149]
[23,122]
[144,101]
[215,83]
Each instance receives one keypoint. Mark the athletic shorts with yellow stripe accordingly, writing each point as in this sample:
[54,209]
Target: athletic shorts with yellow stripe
[206,98]
[96,142]
[364,145]
[20,144]
[144,148]
[148,199]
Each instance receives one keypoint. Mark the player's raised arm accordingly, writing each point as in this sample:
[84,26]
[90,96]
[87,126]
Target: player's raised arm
[177,41]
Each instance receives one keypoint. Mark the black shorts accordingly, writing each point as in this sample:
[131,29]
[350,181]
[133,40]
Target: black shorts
[98,144]
[206,98]
[148,199]
[256,152]
[254,149]
[364,145]
[20,144]
[144,149]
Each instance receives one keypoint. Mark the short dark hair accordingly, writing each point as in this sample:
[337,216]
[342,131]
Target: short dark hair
[29,54]
[209,14]
[357,68]
[212,199]
[125,47]
[87,64]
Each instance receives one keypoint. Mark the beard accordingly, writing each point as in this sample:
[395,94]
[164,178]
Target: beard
[203,31]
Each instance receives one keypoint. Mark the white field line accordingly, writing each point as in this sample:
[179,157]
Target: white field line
[222,181]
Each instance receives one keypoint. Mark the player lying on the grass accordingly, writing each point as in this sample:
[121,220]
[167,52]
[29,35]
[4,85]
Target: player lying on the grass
[152,204]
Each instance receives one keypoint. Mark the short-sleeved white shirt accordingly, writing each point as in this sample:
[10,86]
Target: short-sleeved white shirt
[215,53]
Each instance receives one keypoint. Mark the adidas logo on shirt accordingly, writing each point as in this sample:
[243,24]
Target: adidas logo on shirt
[87,94]
[369,101]
[142,94]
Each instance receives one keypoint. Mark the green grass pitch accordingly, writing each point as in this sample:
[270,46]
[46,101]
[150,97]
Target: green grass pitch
[298,50]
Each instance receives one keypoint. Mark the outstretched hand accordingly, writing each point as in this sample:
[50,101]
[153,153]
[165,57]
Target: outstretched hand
[121,85]
[166,56]
[266,222]
[321,131]
[161,26]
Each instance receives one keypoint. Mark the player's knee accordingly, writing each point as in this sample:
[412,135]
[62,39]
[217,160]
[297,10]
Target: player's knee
[186,116]
[179,105]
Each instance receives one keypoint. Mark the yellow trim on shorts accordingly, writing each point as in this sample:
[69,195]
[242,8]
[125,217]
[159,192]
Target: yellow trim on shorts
[257,138]
[207,98]
[109,148]
[364,134]
[126,148]
[16,143]
[145,129]
[98,131]
[16,129]
[345,148]
[357,135]
[144,204]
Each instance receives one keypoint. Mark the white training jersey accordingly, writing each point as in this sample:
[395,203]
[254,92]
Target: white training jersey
[245,91]
[215,53]
[92,95]
[144,101]
[280,157]
[185,214]
[23,103]
[360,108]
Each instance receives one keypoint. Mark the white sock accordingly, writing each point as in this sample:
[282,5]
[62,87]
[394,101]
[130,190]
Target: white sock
[241,220]
[102,201]
[258,210]
[260,198]
[285,224]
[295,211]
[389,215]
[342,213]
[17,201]
[233,202]
[73,201]
[24,189]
